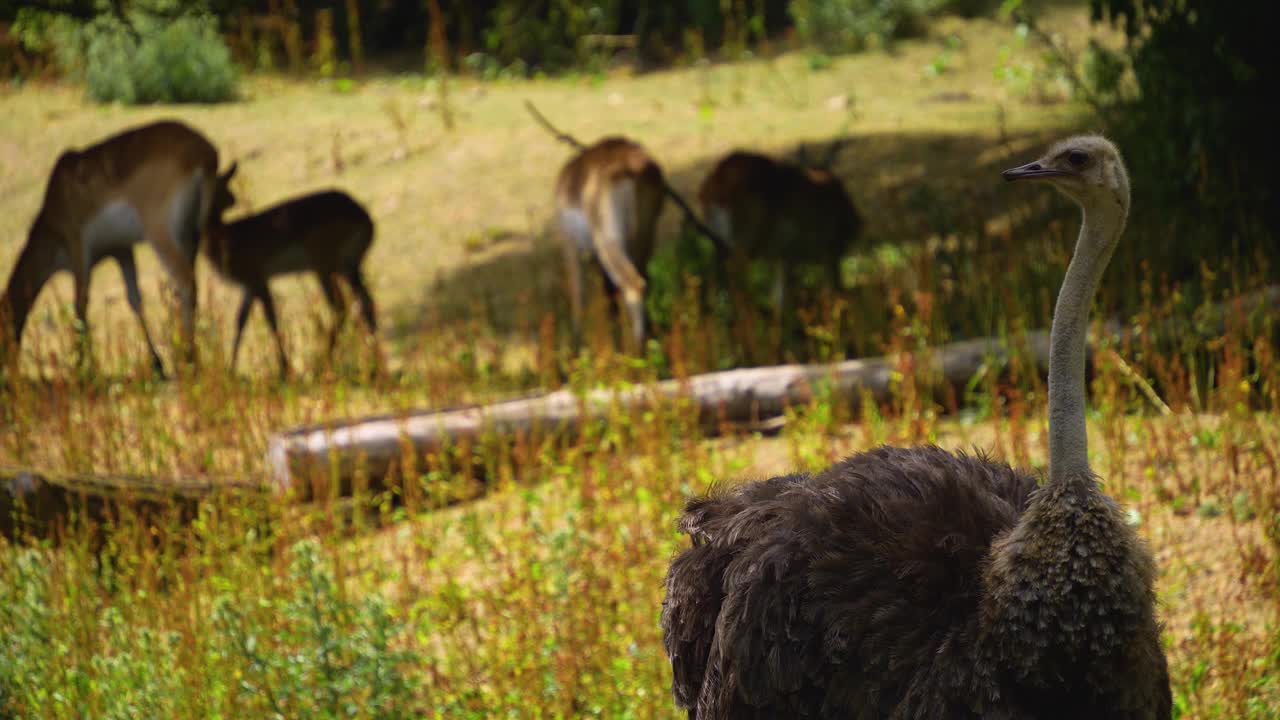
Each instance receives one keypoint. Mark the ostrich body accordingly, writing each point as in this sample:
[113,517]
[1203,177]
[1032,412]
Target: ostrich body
[918,583]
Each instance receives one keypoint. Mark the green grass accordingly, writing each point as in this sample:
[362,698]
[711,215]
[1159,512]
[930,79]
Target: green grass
[540,596]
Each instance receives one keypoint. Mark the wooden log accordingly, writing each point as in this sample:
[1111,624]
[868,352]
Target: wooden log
[43,505]
[322,461]
[332,459]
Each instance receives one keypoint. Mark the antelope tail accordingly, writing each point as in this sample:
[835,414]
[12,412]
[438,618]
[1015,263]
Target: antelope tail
[721,244]
[563,137]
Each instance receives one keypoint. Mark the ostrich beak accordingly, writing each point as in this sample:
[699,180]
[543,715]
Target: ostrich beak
[1032,170]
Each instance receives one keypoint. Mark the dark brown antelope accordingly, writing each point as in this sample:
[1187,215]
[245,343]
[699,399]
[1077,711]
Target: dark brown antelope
[327,233]
[782,212]
[153,184]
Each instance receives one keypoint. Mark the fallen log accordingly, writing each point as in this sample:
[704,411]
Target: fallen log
[46,505]
[321,461]
[334,459]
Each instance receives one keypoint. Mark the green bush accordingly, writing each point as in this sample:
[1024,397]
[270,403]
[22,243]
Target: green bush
[316,653]
[852,25]
[690,256]
[303,650]
[186,61]
[547,39]
[183,60]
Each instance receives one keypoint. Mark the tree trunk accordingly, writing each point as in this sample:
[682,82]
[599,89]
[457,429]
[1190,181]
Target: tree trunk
[439,48]
[355,41]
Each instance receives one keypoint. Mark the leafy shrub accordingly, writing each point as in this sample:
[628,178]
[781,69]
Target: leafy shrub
[547,39]
[851,25]
[315,653]
[39,672]
[690,256]
[168,61]
[304,650]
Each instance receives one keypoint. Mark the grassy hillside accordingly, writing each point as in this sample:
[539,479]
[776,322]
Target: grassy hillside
[461,214]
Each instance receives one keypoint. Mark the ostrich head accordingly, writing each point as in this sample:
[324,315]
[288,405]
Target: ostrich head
[1085,168]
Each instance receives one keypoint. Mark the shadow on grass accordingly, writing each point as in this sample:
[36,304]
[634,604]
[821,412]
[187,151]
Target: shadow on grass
[939,222]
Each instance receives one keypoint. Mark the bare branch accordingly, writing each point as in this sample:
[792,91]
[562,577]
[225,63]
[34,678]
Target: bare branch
[335,455]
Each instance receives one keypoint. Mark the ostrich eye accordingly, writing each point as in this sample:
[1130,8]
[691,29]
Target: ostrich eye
[1077,158]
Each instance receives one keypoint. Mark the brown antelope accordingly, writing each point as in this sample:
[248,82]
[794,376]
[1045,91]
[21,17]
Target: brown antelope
[152,183]
[608,200]
[782,212]
[327,233]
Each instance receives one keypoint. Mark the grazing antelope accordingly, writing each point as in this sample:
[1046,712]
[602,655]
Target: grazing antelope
[608,200]
[327,233]
[783,212]
[152,183]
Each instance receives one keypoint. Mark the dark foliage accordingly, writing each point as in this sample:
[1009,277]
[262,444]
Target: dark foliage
[516,36]
[1197,135]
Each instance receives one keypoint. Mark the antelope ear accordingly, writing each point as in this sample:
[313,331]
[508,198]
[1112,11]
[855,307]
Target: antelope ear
[231,171]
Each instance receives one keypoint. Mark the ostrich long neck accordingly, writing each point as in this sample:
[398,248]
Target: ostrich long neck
[1068,441]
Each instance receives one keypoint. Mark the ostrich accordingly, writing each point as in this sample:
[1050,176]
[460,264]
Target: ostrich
[918,583]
